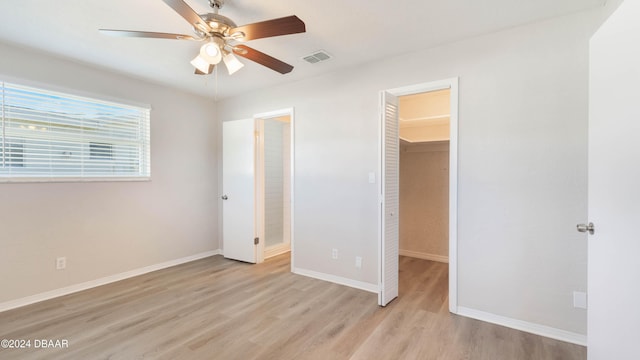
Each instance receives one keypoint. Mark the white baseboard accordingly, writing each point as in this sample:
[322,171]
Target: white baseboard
[338,280]
[425,256]
[276,250]
[525,326]
[12,304]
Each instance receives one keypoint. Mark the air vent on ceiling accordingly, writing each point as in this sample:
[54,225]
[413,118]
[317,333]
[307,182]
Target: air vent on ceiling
[317,57]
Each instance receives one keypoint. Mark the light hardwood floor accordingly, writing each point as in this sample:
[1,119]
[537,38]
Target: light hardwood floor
[220,309]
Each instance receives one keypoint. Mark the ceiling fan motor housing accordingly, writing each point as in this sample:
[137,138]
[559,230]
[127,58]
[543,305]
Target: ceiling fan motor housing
[219,24]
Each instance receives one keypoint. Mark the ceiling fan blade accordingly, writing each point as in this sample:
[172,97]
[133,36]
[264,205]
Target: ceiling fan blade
[276,27]
[209,71]
[146,34]
[188,14]
[262,59]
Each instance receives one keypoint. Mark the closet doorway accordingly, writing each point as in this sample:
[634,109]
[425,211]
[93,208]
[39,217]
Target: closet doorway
[424,175]
[418,211]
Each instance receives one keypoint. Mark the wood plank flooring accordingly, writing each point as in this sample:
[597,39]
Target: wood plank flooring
[215,308]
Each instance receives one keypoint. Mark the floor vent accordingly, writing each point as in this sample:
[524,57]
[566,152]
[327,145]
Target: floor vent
[317,57]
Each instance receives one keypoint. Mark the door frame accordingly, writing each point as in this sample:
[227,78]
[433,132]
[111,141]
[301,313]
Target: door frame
[452,84]
[260,177]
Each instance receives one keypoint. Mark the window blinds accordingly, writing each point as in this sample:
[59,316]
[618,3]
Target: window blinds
[50,135]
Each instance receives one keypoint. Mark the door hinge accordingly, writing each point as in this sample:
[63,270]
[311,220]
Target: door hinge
[256,241]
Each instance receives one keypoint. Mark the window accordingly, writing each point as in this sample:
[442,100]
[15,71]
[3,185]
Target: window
[15,155]
[100,151]
[49,136]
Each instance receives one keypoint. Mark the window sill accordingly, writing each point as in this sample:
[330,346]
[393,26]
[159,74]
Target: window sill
[73,179]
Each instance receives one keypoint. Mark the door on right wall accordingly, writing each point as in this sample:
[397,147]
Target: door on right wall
[614,178]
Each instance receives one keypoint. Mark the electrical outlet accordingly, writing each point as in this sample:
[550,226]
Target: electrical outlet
[61,263]
[358,262]
[579,300]
[334,254]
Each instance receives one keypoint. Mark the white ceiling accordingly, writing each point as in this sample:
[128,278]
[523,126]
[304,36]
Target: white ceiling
[353,31]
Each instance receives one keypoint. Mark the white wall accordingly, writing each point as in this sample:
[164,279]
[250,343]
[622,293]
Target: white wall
[522,164]
[107,228]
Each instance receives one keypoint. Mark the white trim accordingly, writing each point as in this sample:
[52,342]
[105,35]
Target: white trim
[276,250]
[424,256]
[12,304]
[381,138]
[425,87]
[44,179]
[292,185]
[259,190]
[525,326]
[453,196]
[452,84]
[338,280]
[274,114]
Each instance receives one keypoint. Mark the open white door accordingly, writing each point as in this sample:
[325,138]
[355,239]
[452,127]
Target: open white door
[238,184]
[614,179]
[390,200]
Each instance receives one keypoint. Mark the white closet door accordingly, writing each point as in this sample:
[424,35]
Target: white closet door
[390,198]
[238,183]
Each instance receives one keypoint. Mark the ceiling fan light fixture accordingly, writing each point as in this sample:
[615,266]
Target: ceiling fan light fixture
[211,53]
[232,63]
[210,49]
[201,64]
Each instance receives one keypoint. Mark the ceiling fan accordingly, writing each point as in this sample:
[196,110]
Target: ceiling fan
[221,36]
